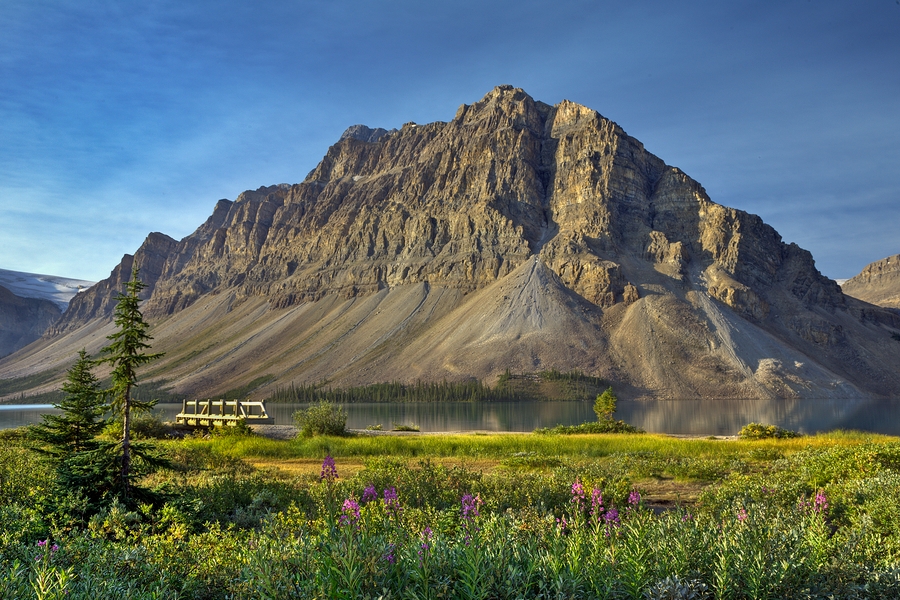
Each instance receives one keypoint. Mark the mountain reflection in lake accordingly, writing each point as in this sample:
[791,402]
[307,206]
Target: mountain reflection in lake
[694,417]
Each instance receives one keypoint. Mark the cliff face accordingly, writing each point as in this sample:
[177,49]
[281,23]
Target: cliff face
[878,283]
[518,235]
[23,320]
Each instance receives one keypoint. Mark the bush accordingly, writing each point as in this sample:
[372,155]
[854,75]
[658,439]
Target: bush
[607,426]
[758,431]
[144,426]
[323,418]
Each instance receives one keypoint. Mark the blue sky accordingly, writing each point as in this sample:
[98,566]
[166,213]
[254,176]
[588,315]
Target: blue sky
[119,118]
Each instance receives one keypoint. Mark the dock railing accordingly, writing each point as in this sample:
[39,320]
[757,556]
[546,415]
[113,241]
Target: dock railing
[210,413]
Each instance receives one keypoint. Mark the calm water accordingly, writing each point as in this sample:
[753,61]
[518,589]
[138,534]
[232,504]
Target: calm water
[697,417]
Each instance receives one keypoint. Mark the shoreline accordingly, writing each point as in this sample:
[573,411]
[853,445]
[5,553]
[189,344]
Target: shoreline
[289,432]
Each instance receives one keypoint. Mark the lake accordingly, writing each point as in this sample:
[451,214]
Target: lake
[694,417]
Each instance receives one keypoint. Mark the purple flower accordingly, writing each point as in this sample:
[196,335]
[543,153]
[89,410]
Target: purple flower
[742,515]
[42,543]
[820,504]
[388,555]
[329,471]
[634,498]
[369,493]
[578,495]
[391,503]
[424,546]
[470,506]
[596,504]
[350,512]
[612,517]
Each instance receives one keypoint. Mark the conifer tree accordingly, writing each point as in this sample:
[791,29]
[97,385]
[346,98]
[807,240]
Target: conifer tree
[81,420]
[127,352]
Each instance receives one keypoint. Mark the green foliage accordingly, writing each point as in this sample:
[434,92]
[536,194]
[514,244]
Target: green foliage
[20,384]
[758,431]
[605,405]
[567,386]
[816,519]
[126,353]
[238,429]
[403,427]
[606,426]
[144,426]
[82,414]
[323,418]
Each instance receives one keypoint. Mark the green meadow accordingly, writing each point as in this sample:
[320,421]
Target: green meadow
[467,516]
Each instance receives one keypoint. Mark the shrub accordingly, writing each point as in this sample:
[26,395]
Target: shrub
[758,431]
[606,426]
[323,418]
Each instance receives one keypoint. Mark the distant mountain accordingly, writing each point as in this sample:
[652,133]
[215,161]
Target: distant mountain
[878,283]
[29,304]
[59,290]
[516,236]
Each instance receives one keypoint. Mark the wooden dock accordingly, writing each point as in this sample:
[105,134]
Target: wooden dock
[212,413]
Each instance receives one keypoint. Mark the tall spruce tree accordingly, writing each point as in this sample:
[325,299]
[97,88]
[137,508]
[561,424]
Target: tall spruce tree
[127,352]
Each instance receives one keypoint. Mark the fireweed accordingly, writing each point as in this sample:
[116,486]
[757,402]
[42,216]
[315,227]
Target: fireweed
[799,530]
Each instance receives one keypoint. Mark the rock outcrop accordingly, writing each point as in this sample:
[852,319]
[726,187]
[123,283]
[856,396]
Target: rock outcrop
[878,283]
[517,235]
[23,320]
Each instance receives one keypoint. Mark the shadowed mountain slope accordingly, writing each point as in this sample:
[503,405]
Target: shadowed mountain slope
[517,236]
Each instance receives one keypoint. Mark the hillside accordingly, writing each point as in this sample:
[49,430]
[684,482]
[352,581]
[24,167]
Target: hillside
[878,283]
[517,236]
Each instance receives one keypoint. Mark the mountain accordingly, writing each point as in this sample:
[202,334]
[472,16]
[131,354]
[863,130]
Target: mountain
[878,283]
[517,236]
[29,304]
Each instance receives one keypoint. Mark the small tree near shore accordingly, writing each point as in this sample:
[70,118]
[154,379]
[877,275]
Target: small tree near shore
[126,353]
[605,405]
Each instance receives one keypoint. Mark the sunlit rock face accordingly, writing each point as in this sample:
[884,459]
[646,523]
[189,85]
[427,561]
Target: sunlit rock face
[519,236]
[878,283]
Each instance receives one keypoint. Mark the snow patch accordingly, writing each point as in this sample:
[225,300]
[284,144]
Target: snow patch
[59,290]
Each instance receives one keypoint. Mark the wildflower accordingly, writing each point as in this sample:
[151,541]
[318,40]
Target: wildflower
[391,503]
[470,506]
[329,471]
[820,503]
[424,546]
[369,493]
[578,495]
[596,504]
[350,512]
[612,517]
[612,520]
[388,555]
[634,498]
[742,515]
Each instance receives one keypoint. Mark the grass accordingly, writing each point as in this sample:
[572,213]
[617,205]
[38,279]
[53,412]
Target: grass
[500,446]
[250,517]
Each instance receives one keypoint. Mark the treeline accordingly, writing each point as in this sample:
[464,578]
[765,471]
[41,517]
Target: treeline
[509,388]
[466,391]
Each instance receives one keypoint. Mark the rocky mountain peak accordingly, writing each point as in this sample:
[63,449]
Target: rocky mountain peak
[413,241]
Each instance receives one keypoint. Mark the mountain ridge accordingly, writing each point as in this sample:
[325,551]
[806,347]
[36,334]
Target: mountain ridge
[878,283]
[403,249]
